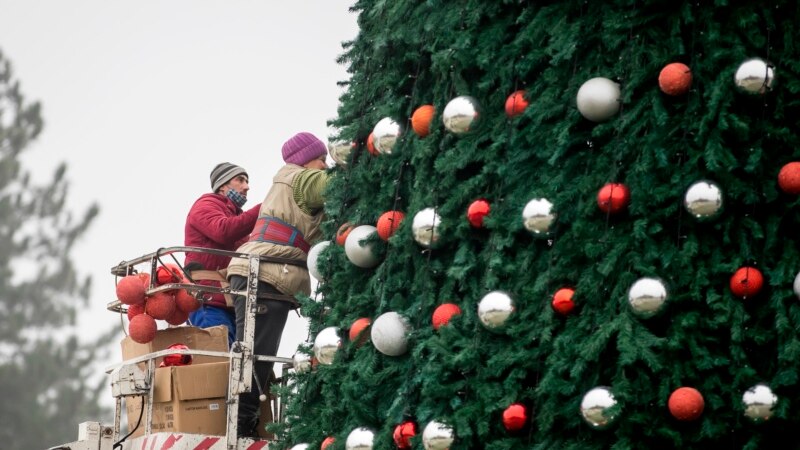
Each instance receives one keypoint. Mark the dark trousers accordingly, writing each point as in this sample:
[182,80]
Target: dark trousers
[267,338]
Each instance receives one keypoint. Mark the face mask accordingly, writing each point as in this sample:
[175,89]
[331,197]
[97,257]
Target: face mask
[237,198]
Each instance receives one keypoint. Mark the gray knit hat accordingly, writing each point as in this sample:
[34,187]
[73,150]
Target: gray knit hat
[223,173]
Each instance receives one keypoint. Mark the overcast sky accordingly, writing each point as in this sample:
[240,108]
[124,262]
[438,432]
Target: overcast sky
[141,98]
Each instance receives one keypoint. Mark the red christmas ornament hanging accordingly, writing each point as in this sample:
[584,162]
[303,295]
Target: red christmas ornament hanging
[477,211]
[142,328]
[421,120]
[177,317]
[515,417]
[160,305]
[168,273]
[443,313]
[403,433]
[342,232]
[746,282]
[131,290]
[135,310]
[613,198]
[327,442]
[686,404]
[562,301]
[675,79]
[371,145]
[516,104]
[177,359]
[357,330]
[186,301]
[789,178]
[388,223]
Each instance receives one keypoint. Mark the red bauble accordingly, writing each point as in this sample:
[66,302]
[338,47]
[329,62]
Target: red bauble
[327,442]
[562,301]
[515,417]
[177,359]
[421,120]
[746,282]
[403,433]
[371,145]
[185,301]
[142,328]
[160,305]
[388,223]
[357,330]
[789,178]
[342,232]
[130,290]
[516,104]
[686,404]
[477,211]
[135,310]
[178,317]
[613,198]
[168,273]
[443,313]
[675,79]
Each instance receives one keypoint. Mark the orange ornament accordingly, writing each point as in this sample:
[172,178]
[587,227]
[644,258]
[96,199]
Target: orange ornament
[686,404]
[562,301]
[357,333]
[142,328]
[388,223]
[675,79]
[177,317]
[327,442]
[421,120]
[130,290]
[135,310]
[516,104]
[160,305]
[613,198]
[168,273]
[443,313]
[342,232]
[789,178]
[746,282]
[186,301]
[371,145]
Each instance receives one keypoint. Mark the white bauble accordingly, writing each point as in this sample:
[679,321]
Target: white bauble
[598,99]
[360,438]
[389,334]
[313,256]
[359,253]
[326,344]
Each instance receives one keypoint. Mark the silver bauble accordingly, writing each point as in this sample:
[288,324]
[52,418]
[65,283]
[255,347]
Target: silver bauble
[360,253]
[389,334]
[385,135]
[796,285]
[313,257]
[301,362]
[425,227]
[759,403]
[647,297]
[494,309]
[437,436]
[300,447]
[460,114]
[598,99]
[599,408]
[326,344]
[754,76]
[340,151]
[703,199]
[360,439]
[538,216]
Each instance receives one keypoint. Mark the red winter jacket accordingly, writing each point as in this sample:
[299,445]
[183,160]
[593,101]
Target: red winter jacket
[215,222]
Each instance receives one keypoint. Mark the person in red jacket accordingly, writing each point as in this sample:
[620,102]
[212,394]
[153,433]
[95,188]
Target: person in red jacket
[217,221]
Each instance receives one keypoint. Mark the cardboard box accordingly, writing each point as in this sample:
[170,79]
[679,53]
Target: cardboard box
[190,399]
[211,338]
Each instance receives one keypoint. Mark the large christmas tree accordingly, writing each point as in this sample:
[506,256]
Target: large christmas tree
[679,274]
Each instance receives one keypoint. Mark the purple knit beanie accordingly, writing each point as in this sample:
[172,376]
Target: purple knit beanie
[302,148]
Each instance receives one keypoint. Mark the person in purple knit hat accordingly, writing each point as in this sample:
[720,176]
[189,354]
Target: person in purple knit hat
[288,224]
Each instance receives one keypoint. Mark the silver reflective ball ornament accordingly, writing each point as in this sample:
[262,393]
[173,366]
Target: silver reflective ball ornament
[598,99]
[647,297]
[340,151]
[494,309]
[796,285]
[759,403]
[599,408]
[703,199]
[754,76]
[313,257]
[300,447]
[360,438]
[359,252]
[385,135]
[326,344]
[437,436]
[539,216]
[301,362]
[389,334]
[460,114]
[425,227]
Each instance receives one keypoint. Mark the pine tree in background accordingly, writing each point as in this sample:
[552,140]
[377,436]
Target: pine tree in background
[655,297]
[44,368]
